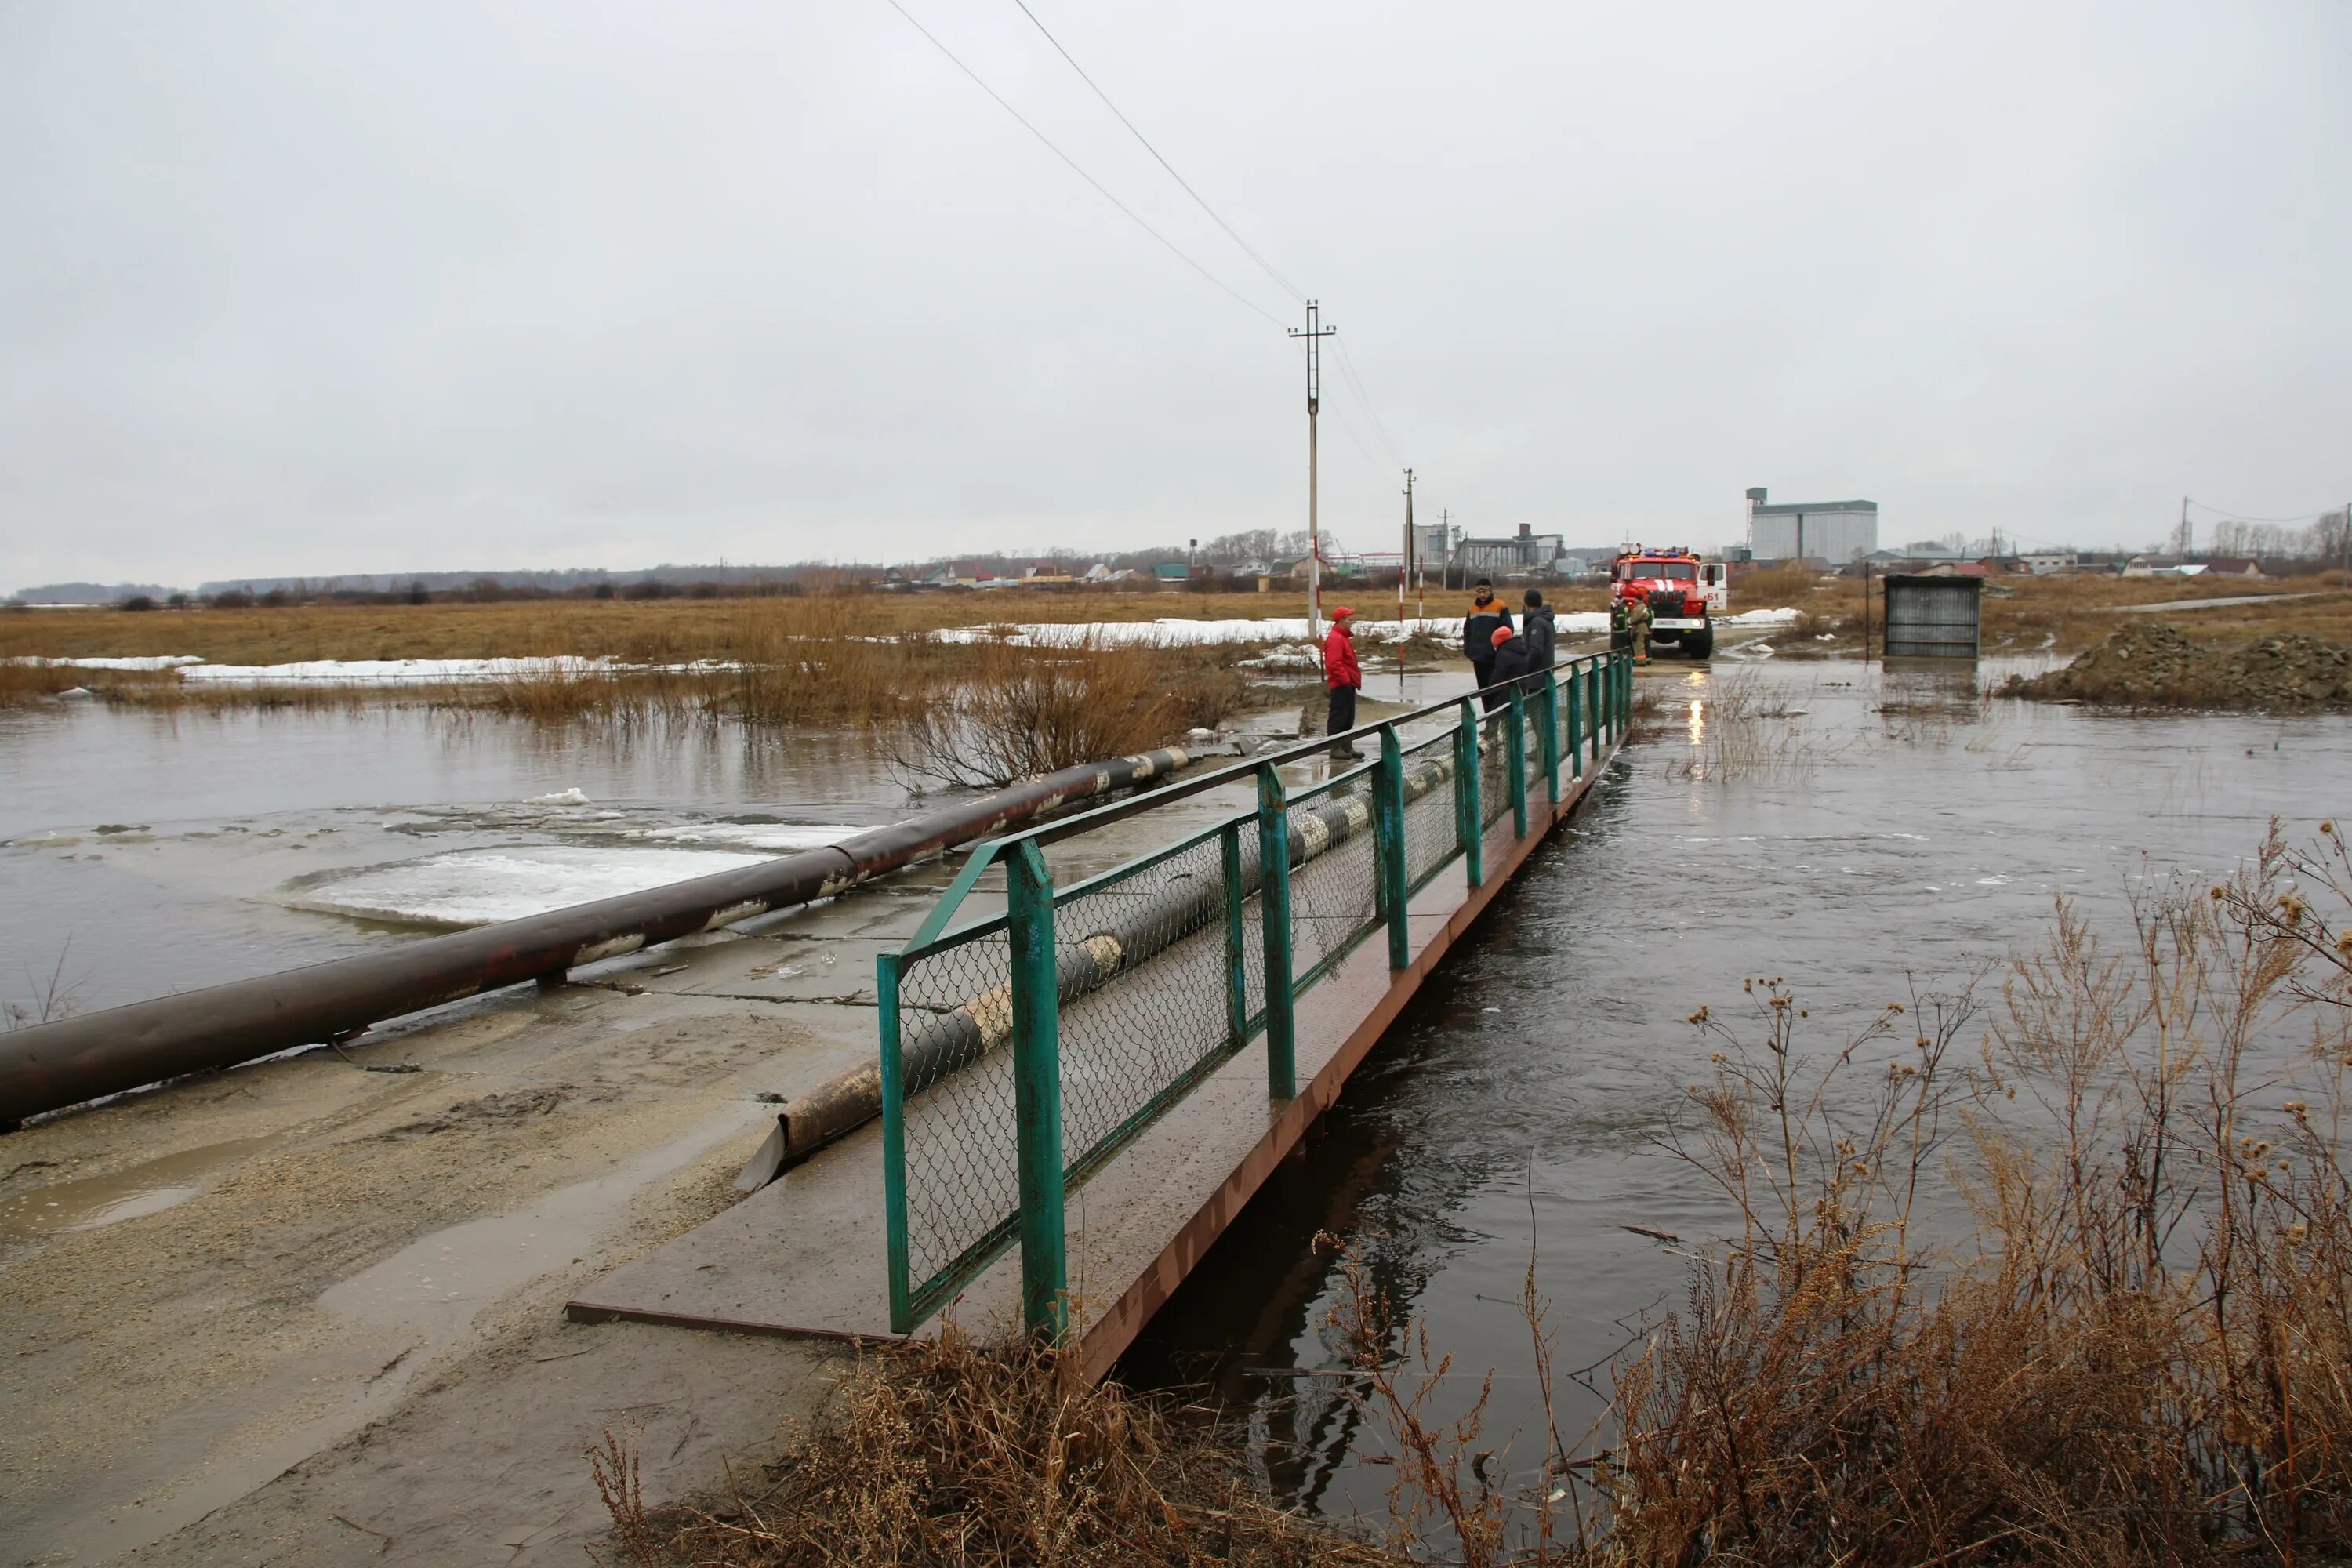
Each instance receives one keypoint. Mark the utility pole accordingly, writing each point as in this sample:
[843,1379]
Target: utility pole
[1445,566]
[1314,334]
[1405,560]
[1404,570]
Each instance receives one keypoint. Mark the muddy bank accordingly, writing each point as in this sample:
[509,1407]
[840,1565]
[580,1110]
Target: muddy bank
[2154,665]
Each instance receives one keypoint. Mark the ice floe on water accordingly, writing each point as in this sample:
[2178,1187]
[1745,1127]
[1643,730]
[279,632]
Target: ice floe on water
[774,836]
[571,796]
[478,887]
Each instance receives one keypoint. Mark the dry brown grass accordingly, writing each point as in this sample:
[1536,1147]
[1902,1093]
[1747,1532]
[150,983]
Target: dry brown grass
[2061,613]
[662,631]
[810,662]
[2141,1352]
[653,631]
[940,1452]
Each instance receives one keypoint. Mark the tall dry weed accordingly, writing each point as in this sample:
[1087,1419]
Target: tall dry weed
[942,1451]
[2129,1346]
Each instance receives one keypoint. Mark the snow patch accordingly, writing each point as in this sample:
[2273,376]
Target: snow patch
[393,671]
[1289,633]
[144,661]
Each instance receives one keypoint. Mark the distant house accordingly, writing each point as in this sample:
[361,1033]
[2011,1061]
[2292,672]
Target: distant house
[1170,571]
[2232,566]
[2162,566]
[2050,564]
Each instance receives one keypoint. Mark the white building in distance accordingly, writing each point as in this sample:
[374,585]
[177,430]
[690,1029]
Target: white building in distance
[1836,532]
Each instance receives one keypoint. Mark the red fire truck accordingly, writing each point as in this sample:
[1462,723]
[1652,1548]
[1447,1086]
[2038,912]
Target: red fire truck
[1685,595]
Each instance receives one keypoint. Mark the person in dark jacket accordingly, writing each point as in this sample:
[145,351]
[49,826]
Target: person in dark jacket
[1345,677]
[1511,664]
[1537,627]
[1487,613]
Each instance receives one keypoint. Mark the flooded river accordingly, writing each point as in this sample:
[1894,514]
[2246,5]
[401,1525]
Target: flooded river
[1879,831]
[147,853]
[1859,833]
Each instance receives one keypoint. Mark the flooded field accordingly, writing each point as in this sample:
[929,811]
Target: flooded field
[148,853]
[1861,835]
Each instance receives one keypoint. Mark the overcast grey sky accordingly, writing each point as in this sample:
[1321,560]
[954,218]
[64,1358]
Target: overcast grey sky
[311,288]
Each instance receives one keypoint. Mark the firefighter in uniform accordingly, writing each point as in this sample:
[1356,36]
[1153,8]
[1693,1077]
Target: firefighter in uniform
[1637,623]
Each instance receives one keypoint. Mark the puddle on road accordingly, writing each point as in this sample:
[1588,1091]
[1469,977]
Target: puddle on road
[29,1213]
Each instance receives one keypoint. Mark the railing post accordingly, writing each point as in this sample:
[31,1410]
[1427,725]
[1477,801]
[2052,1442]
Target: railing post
[1229,845]
[1388,827]
[1274,916]
[1550,706]
[1469,816]
[1625,698]
[1515,751]
[894,1144]
[1037,1091]
[1575,723]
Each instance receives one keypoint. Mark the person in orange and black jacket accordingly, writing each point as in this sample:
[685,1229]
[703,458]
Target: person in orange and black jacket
[1345,677]
[1512,654]
[1487,613]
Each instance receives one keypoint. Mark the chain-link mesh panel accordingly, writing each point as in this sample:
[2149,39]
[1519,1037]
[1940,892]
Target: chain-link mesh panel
[1430,830]
[1145,985]
[1253,935]
[1494,765]
[1535,747]
[1567,751]
[1334,894]
[955,1066]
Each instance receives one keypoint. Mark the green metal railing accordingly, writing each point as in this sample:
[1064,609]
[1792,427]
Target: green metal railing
[1022,1049]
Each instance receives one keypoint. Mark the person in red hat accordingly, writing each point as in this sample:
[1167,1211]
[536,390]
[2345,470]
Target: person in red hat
[1345,677]
[1511,661]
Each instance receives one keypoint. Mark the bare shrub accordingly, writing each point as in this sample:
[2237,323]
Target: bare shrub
[1016,713]
[940,1452]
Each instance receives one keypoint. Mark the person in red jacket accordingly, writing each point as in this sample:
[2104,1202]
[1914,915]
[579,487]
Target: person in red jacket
[1345,677]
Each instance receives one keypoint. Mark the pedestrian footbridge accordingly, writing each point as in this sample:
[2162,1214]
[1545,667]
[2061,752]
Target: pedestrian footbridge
[1084,1074]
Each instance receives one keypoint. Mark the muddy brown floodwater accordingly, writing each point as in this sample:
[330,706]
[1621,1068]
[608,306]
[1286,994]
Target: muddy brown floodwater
[1885,829]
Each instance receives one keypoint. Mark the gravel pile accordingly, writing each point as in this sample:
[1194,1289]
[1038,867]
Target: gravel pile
[2151,664]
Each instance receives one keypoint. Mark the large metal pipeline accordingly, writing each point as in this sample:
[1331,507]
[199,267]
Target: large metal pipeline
[52,1066]
[944,1041]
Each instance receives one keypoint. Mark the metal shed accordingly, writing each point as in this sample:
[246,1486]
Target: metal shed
[1933,618]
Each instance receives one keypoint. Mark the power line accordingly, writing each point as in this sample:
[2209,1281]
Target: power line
[1363,395]
[2239,517]
[1292,288]
[1081,174]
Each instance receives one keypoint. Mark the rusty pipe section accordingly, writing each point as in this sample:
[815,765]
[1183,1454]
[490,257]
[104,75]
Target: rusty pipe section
[52,1066]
